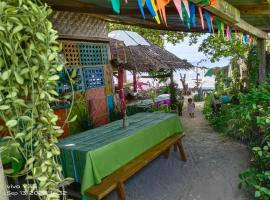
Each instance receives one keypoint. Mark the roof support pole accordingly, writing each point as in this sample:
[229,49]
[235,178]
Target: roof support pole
[121,74]
[261,43]
[134,81]
[173,97]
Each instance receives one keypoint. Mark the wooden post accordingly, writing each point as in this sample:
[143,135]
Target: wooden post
[3,185]
[172,91]
[261,43]
[134,81]
[122,95]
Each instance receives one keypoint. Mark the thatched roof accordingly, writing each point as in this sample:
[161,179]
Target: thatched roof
[142,58]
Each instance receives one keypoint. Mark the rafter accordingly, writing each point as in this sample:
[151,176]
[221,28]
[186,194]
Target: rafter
[260,9]
[231,14]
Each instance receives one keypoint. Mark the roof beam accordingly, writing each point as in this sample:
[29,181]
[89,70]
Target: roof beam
[232,15]
[260,9]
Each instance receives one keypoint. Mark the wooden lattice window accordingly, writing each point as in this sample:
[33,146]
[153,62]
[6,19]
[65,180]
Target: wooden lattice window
[93,54]
[93,77]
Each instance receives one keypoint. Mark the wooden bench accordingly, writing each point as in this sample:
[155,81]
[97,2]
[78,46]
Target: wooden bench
[116,180]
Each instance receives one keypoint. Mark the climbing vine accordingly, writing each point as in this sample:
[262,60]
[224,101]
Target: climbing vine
[28,67]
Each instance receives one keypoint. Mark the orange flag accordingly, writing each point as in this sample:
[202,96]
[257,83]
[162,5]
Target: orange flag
[161,4]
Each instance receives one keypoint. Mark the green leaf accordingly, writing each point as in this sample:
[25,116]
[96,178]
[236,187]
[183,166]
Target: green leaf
[6,75]
[54,78]
[11,123]
[73,74]
[19,79]
[73,119]
[42,178]
[2,28]
[30,161]
[4,107]
[40,36]
[257,194]
[17,29]
[1,62]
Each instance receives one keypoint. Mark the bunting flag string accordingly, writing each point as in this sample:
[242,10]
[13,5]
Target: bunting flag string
[212,26]
[187,13]
[228,33]
[219,26]
[192,8]
[116,6]
[222,28]
[186,4]
[201,16]
[178,6]
[208,20]
[150,8]
[161,4]
[155,9]
[140,5]
[231,31]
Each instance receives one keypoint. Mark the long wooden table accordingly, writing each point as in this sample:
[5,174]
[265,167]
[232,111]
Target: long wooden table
[90,156]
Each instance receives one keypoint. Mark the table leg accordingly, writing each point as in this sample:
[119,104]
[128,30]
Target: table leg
[121,191]
[181,150]
[167,153]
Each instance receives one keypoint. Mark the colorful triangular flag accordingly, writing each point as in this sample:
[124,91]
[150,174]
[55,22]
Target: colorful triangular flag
[116,6]
[192,8]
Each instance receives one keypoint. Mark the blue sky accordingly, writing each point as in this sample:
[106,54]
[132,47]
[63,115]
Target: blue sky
[191,53]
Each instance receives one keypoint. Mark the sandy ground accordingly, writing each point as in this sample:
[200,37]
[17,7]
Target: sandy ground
[211,172]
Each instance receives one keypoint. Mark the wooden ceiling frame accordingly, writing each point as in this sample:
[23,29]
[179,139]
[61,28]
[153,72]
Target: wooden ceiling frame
[221,9]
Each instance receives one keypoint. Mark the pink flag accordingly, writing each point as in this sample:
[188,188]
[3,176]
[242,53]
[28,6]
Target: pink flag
[228,33]
[201,15]
[178,6]
[185,2]
[126,1]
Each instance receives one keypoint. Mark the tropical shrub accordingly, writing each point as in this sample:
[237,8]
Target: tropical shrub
[249,122]
[28,66]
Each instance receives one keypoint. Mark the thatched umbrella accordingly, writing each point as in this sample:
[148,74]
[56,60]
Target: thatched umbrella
[141,55]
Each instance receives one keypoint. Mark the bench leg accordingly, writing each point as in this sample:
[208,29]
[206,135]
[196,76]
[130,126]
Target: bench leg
[181,150]
[121,191]
[167,153]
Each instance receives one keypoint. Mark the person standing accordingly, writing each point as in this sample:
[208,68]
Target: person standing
[191,108]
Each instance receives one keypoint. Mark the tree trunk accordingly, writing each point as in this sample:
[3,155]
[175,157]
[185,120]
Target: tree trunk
[262,59]
[3,185]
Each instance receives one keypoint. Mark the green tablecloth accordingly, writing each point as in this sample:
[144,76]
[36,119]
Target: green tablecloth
[92,155]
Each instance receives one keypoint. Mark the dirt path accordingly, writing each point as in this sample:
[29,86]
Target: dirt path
[211,172]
